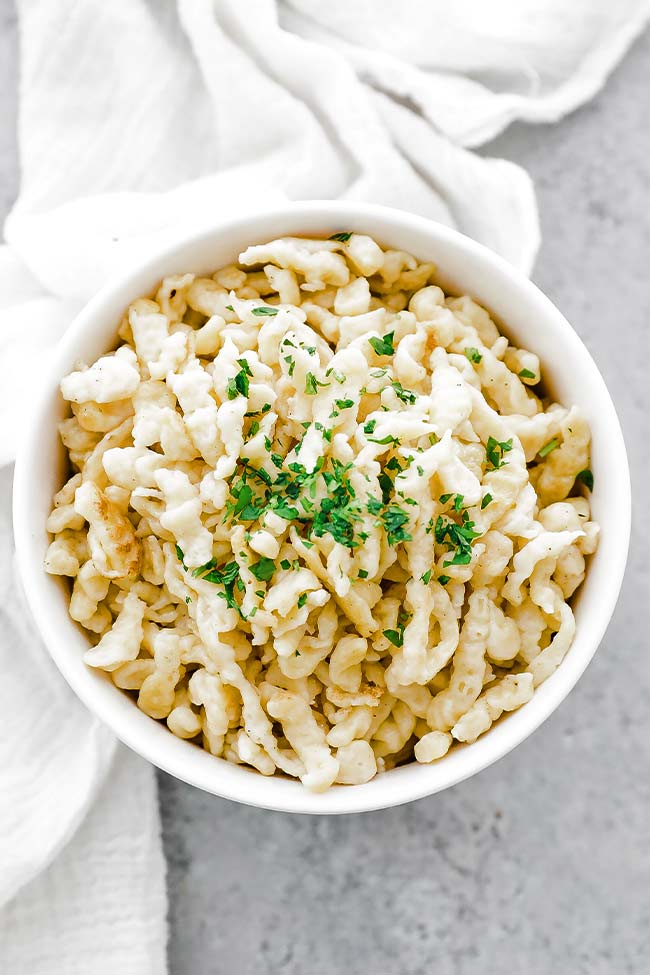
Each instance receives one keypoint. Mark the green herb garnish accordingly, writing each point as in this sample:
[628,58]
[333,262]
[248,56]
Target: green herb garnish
[238,385]
[473,354]
[586,478]
[283,510]
[494,451]
[312,384]
[383,346]
[457,538]
[396,637]
[264,310]
[264,569]
[340,378]
[549,447]
[389,438]
[394,519]
[405,395]
[343,237]
[526,374]
[226,576]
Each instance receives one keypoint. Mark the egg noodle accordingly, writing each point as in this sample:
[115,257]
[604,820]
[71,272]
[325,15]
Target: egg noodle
[321,518]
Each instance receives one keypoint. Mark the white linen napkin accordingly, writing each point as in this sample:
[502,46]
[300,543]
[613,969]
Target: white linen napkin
[141,120]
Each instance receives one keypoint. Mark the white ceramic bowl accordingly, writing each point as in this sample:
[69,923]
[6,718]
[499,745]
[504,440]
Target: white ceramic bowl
[465,267]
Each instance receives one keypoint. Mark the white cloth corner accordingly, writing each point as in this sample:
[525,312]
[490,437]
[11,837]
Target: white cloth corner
[139,121]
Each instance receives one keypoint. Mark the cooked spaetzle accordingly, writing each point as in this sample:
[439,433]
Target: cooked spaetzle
[321,518]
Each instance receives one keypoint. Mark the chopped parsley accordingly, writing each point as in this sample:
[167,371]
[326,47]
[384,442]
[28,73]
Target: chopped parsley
[405,395]
[258,472]
[374,505]
[264,310]
[343,237]
[549,447]
[340,378]
[494,451]
[426,577]
[485,501]
[283,510]
[244,508]
[443,580]
[587,478]
[302,599]
[458,500]
[312,384]
[473,354]
[389,438]
[341,509]
[363,573]
[327,434]
[369,427]
[246,368]
[383,346]
[457,538]
[264,569]
[394,519]
[318,502]
[226,576]
[344,404]
[526,374]
[396,637]
[238,385]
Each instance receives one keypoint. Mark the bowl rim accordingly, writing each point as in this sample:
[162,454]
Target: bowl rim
[463,761]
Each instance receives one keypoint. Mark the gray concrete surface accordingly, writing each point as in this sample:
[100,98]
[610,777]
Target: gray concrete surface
[540,864]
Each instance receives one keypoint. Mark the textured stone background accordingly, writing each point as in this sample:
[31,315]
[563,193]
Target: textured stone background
[542,862]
